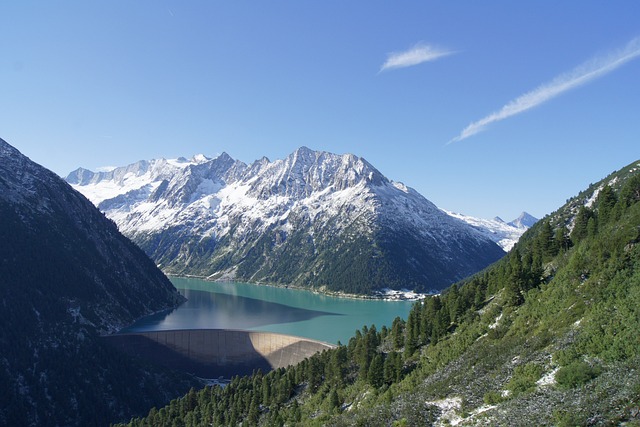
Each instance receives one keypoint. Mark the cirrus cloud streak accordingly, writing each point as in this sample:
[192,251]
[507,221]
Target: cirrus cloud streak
[588,71]
[416,55]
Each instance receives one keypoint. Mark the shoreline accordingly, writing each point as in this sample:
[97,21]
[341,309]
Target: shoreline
[385,294]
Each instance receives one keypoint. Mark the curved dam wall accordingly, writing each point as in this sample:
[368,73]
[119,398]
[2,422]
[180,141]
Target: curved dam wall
[212,353]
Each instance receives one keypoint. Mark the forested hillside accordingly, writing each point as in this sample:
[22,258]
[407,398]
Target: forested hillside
[546,336]
[66,277]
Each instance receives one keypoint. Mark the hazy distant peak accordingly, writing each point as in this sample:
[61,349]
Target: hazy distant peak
[525,220]
[201,158]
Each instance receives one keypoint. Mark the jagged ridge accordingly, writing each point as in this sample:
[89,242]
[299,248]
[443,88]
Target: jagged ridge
[312,219]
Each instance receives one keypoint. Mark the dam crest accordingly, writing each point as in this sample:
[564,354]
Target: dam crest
[213,353]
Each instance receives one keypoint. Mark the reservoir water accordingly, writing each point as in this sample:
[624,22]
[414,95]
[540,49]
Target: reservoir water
[213,305]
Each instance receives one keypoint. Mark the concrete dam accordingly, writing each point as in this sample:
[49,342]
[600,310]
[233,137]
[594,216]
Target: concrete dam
[213,353]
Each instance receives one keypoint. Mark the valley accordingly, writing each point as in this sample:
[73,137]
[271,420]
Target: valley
[550,325]
[546,336]
[319,214]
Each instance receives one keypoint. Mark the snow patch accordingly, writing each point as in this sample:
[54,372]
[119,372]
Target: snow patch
[496,322]
[449,408]
[548,379]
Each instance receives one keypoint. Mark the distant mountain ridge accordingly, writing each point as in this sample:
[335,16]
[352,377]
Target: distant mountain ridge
[312,219]
[67,276]
[506,235]
[523,221]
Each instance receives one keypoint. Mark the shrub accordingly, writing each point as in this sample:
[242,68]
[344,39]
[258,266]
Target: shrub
[524,378]
[576,374]
[492,398]
[568,419]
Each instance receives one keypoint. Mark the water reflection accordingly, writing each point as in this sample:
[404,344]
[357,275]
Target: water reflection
[208,310]
[297,312]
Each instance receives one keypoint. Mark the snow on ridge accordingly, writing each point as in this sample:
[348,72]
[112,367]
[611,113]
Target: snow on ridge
[308,185]
[106,185]
[504,234]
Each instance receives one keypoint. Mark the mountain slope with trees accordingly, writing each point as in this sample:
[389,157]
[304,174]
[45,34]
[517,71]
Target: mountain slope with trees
[547,336]
[314,219]
[67,276]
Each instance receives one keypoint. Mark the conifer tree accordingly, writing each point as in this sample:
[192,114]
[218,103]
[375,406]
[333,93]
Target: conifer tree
[397,333]
[376,371]
[581,222]
[606,202]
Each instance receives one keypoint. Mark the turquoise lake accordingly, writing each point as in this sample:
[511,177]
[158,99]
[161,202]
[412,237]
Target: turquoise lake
[231,305]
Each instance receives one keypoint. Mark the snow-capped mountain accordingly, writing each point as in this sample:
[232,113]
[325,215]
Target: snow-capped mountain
[505,234]
[525,221]
[312,219]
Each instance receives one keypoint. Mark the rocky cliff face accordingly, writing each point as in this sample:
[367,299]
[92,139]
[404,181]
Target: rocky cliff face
[312,219]
[68,276]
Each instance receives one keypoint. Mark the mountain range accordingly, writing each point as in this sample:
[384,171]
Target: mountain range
[314,219]
[505,234]
[67,277]
[547,335]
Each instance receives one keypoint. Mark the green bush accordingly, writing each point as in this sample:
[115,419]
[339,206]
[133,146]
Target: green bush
[568,419]
[576,374]
[492,398]
[524,378]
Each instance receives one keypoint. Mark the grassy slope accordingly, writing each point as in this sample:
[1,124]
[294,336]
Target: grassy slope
[546,336]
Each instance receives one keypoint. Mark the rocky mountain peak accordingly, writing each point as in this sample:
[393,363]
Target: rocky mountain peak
[292,220]
[525,220]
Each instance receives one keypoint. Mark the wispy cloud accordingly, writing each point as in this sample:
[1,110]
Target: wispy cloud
[590,70]
[416,55]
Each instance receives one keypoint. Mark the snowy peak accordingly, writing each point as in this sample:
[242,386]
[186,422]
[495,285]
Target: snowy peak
[506,235]
[139,179]
[291,221]
[201,158]
[305,171]
[524,221]
[199,180]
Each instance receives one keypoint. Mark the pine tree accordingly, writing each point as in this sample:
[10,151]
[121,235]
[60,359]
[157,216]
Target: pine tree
[544,243]
[630,192]
[375,375]
[561,240]
[592,226]
[254,412]
[412,334]
[581,222]
[397,333]
[453,303]
[334,399]
[607,200]
[266,391]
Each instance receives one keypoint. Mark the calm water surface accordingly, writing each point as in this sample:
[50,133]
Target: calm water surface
[264,308]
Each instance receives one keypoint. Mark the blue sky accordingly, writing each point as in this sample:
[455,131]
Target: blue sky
[486,108]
